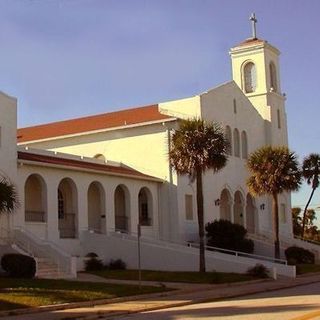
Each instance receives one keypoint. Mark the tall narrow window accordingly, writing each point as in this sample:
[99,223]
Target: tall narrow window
[250,77]
[234,106]
[189,207]
[273,77]
[278,119]
[244,145]
[229,139]
[236,138]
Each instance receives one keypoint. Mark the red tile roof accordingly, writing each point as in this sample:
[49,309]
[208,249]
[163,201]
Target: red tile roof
[82,164]
[250,42]
[91,123]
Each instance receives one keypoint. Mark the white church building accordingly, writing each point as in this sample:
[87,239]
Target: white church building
[85,184]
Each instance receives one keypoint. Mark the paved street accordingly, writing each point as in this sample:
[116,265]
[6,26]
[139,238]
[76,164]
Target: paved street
[301,303]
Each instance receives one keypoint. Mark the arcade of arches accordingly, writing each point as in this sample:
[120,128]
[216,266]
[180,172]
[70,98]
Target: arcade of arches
[36,208]
[238,209]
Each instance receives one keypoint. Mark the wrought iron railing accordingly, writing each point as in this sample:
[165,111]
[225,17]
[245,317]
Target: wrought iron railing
[121,223]
[35,216]
[67,226]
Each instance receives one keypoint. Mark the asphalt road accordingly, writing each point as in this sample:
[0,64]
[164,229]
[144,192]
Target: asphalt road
[298,303]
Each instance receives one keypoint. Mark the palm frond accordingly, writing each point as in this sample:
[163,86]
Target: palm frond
[8,196]
[197,144]
[273,170]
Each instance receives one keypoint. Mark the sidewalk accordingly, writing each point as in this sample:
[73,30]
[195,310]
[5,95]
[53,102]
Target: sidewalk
[190,294]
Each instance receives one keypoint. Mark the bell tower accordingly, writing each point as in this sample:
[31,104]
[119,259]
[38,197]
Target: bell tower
[255,69]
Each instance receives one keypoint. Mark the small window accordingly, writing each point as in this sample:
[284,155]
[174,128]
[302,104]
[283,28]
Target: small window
[283,218]
[189,207]
[250,80]
[234,106]
[278,119]
[100,156]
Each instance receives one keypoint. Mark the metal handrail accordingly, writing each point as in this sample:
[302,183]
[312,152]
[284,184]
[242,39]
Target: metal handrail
[307,240]
[210,248]
[35,246]
[248,255]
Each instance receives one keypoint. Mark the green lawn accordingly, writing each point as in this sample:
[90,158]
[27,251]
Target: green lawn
[307,268]
[22,293]
[165,276]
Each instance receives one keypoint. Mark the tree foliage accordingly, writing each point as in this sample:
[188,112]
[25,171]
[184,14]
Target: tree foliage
[273,170]
[311,172]
[227,235]
[8,196]
[198,146]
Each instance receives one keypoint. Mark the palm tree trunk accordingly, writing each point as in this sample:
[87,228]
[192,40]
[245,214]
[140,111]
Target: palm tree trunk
[202,263]
[275,214]
[305,213]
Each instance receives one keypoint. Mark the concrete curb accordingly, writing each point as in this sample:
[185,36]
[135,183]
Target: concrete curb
[171,292]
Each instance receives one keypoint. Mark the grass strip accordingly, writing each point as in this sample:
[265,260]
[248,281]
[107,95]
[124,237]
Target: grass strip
[23,293]
[167,276]
[307,268]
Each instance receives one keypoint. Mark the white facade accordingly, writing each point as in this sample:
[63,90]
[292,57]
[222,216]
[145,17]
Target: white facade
[60,201]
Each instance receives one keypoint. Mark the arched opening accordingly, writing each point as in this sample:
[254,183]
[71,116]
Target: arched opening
[244,145]
[225,205]
[236,138]
[229,139]
[250,214]
[96,208]
[238,208]
[122,209]
[273,77]
[145,207]
[35,191]
[67,208]
[250,77]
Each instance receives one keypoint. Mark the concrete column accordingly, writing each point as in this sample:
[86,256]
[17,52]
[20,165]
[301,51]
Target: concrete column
[134,209]
[82,206]
[52,210]
[109,198]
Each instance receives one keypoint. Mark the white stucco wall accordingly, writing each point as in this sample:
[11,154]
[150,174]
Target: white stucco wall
[82,180]
[8,147]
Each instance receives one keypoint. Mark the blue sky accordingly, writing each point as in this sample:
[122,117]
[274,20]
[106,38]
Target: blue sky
[68,58]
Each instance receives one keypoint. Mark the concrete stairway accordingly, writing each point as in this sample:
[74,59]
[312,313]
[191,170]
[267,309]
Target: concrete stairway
[46,269]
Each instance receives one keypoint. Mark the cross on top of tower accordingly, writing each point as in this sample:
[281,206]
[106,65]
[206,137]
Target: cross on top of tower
[253,20]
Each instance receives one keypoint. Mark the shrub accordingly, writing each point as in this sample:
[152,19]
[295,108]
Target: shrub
[91,255]
[117,265]
[93,264]
[297,255]
[18,265]
[258,271]
[227,235]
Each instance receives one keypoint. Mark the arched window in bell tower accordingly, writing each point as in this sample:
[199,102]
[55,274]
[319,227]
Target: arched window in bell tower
[273,77]
[249,77]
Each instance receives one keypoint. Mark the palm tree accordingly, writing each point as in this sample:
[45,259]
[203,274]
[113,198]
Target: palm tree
[311,172]
[296,221]
[8,196]
[273,170]
[196,147]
